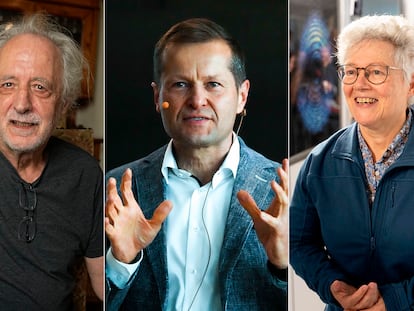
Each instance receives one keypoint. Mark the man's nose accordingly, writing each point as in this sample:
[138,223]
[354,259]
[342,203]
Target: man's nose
[22,102]
[198,96]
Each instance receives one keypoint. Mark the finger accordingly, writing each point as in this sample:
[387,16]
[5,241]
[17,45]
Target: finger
[109,228]
[342,288]
[279,204]
[161,213]
[342,291]
[112,199]
[111,187]
[280,192]
[337,287]
[354,298]
[111,211]
[248,204]
[370,298]
[285,164]
[126,188]
[282,171]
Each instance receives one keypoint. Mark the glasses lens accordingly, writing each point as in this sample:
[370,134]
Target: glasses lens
[376,74]
[27,229]
[27,199]
[347,74]
[27,226]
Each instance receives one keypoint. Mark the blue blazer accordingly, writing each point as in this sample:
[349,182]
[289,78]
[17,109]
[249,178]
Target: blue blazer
[246,282]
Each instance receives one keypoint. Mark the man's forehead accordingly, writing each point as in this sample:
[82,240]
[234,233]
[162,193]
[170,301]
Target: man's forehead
[31,51]
[27,42]
[220,44]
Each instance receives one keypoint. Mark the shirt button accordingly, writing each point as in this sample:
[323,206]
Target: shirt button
[194,271]
[377,173]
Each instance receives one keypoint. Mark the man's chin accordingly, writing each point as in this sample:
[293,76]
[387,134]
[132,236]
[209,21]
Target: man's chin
[25,145]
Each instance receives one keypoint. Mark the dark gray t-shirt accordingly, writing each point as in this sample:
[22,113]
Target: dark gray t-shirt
[68,217]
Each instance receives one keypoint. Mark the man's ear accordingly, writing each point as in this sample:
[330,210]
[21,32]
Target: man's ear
[243,94]
[156,92]
[62,109]
[65,107]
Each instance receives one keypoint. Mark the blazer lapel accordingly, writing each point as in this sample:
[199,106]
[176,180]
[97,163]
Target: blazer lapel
[254,179]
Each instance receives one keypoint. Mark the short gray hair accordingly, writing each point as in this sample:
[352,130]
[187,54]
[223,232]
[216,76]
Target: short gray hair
[72,58]
[390,28]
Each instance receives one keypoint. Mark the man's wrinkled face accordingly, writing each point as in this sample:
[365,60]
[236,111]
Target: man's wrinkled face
[30,87]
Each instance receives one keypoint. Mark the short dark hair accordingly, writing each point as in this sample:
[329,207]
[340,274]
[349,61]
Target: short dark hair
[200,30]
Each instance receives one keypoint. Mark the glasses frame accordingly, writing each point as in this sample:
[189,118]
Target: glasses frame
[341,70]
[26,230]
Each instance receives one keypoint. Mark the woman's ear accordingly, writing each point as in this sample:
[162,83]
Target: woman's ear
[411,91]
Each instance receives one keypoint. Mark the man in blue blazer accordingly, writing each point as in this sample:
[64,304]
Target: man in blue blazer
[201,223]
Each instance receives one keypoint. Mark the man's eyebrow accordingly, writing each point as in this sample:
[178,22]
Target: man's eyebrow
[6,77]
[44,81]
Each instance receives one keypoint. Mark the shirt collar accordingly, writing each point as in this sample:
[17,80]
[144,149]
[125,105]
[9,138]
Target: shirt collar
[230,163]
[397,143]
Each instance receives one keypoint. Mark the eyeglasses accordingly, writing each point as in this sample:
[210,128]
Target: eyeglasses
[27,226]
[376,74]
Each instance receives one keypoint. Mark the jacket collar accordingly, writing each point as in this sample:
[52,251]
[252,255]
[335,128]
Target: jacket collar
[347,146]
[253,176]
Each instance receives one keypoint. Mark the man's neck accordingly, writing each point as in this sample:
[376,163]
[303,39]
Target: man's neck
[29,165]
[201,162]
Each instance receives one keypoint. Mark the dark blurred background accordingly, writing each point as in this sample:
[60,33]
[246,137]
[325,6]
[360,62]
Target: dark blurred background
[134,129]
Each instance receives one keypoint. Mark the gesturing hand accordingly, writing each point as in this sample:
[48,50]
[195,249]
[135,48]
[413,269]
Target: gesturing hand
[125,225]
[366,297]
[272,225]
